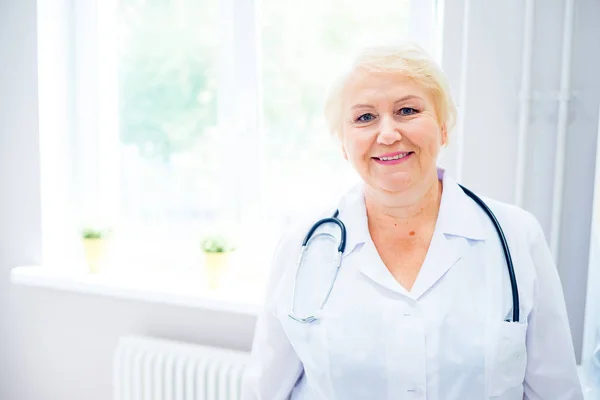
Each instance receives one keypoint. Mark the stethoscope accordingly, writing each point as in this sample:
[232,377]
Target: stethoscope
[342,245]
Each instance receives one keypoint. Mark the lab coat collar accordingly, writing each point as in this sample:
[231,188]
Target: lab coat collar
[353,214]
[459,217]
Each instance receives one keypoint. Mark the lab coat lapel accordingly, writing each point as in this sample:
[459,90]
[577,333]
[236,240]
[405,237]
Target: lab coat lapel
[360,251]
[370,264]
[444,252]
[458,228]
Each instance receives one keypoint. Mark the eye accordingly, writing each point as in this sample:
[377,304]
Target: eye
[404,111]
[365,118]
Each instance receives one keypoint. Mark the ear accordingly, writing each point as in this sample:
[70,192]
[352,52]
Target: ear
[344,153]
[444,136]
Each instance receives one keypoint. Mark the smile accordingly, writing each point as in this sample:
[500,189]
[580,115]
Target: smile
[394,158]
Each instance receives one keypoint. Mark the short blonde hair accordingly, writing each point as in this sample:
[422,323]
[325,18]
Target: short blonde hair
[408,59]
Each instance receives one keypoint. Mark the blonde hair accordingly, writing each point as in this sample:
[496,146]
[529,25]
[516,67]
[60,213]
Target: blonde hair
[408,59]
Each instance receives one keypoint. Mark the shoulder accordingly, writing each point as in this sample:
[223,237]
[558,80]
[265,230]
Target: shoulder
[297,228]
[532,259]
[531,254]
[289,245]
[516,221]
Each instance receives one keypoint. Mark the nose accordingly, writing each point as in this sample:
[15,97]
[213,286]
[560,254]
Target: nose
[389,132]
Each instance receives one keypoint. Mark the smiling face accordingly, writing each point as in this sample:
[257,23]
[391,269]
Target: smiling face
[391,133]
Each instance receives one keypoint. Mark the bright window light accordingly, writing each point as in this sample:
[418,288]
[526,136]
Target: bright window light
[208,117]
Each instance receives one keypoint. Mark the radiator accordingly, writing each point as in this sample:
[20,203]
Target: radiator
[156,369]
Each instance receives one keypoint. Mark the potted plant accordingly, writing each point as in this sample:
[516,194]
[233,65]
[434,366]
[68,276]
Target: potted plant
[94,246]
[217,249]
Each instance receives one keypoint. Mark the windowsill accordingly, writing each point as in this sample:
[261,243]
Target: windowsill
[186,290]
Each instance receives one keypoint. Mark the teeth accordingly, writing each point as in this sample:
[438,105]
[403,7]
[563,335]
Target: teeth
[397,157]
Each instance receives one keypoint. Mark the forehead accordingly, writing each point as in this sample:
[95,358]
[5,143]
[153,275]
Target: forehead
[367,87]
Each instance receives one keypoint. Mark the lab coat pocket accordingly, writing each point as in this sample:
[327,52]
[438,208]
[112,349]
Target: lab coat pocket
[509,362]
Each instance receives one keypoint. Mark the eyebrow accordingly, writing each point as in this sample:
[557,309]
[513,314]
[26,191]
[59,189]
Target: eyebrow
[405,98]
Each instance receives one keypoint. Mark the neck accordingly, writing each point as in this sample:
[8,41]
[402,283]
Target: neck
[412,210]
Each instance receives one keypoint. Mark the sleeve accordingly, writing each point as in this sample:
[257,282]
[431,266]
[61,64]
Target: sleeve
[551,367]
[274,367]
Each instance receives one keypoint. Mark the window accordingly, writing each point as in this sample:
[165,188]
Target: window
[207,114]
[304,44]
[167,116]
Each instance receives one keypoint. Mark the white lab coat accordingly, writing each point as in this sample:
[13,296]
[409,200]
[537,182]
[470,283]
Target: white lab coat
[444,339]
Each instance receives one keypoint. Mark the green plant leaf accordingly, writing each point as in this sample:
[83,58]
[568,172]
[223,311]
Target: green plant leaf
[217,244]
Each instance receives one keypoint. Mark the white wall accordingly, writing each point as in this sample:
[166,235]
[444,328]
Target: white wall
[487,84]
[57,345]
[19,175]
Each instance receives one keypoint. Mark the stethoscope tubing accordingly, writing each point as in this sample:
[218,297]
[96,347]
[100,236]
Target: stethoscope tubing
[342,246]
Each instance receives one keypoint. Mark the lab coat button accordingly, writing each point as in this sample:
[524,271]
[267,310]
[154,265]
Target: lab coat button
[414,392]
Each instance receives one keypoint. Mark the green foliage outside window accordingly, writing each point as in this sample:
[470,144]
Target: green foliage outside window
[167,63]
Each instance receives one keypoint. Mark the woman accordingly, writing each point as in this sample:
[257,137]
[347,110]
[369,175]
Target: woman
[421,306]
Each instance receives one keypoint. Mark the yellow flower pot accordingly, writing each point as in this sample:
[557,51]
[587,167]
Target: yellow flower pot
[94,250]
[215,267]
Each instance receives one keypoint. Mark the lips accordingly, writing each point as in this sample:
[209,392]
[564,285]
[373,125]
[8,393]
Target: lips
[394,156]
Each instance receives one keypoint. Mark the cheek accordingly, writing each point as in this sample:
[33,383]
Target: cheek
[425,134]
[357,143]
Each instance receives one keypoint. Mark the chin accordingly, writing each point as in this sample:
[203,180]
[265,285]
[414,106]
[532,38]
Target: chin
[392,183]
